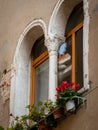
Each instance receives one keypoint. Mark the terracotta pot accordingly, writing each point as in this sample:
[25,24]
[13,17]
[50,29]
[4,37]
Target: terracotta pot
[58,113]
[42,125]
[70,105]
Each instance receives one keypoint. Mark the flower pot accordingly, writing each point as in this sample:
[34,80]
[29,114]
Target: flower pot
[42,125]
[34,127]
[70,105]
[58,113]
[50,121]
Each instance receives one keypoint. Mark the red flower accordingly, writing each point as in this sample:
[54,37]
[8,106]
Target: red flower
[62,88]
[72,83]
[68,86]
[77,86]
[58,89]
[57,95]
[64,83]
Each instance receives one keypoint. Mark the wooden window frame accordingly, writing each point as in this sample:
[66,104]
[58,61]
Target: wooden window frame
[72,34]
[44,56]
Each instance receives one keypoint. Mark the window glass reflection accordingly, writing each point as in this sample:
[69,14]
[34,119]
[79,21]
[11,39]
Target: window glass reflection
[42,76]
[65,61]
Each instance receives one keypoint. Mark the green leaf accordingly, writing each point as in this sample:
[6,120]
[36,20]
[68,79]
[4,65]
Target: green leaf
[1,128]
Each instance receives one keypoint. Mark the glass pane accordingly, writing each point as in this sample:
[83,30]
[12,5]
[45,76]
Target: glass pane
[75,18]
[79,56]
[42,81]
[38,48]
[65,61]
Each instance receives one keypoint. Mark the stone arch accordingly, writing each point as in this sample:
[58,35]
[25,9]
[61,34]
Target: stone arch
[60,17]
[20,83]
[57,26]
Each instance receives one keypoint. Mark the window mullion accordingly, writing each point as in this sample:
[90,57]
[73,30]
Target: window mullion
[32,89]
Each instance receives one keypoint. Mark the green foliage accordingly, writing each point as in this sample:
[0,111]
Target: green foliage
[64,96]
[36,112]
[39,111]
[20,123]
[1,128]
[43,111]
[17,126]
[49,105]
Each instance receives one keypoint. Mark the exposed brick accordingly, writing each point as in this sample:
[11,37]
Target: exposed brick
[5,85]
[5,98]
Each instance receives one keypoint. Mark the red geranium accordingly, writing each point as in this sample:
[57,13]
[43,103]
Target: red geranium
[77,86]
[65,85]
[67,91]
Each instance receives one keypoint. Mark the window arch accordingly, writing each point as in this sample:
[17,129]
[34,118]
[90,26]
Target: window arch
[71,52]
[40,71]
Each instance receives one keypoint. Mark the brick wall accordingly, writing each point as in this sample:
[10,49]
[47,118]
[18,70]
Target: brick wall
[5,98]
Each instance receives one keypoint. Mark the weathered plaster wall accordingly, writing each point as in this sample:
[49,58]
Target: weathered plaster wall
[4,112]
[93,42]
[85,118]
[14,17]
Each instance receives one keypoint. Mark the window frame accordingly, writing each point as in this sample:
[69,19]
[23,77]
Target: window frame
[72,34]
[35,63]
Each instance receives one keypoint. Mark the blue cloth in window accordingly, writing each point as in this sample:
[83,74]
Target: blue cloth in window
[62,49]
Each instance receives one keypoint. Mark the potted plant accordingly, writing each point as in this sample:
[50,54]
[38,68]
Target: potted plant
[49,107]
[41,114]
[36,112]
[34,120]
[40,117]
[19,123]
[58,112]
[37,115]
[68,95]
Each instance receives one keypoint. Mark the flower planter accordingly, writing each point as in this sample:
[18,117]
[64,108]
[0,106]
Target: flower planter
[42,125]
[35,127]
[50,121]
[70,105]
[58,113]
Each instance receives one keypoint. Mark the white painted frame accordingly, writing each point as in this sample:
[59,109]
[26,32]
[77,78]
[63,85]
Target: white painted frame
[20,87]
[85,38]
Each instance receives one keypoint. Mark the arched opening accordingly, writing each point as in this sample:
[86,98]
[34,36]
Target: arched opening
[60,17]
[20,84]
[71,52]
[58,25]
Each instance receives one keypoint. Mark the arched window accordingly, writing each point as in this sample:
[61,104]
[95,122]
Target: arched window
[40,71]
[71,52]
